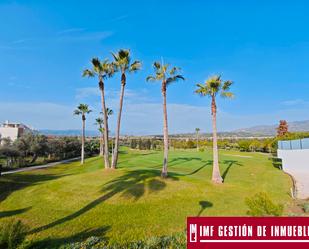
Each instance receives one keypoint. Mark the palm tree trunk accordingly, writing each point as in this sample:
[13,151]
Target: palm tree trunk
[105,135]
[197,148]
[216,177]
[101,144]
[116,148]
[83,141]
[165,133]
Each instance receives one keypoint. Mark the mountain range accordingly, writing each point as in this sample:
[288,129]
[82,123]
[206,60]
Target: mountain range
[255,131]
[270,130]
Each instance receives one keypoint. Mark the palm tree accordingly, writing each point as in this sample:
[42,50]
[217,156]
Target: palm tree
[197,130]
[122,62]
[211,88]
[166,76]
[82,109]
[109,112]
[99,122]
[102,70]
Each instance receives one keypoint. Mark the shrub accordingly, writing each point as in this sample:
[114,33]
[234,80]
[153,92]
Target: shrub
[201,149]
[177,241]
[306,207]
[12,234]
[261,205]
[90,243]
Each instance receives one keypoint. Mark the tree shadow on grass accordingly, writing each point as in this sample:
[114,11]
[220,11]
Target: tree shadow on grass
[55,243]
[14,182]
[229,163]
[4,214]
[204,205]
[181,160]
[122,163]
[208,162]
[133,184]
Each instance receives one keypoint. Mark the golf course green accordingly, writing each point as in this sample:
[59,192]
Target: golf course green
[133,202]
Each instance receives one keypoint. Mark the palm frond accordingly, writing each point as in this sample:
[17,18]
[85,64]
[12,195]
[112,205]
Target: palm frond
[227,84]
[109,111]
[136,65]
[174,79]
[150,78]
[113,68]
[82,109]
[122,59]
[123,53]
[213,86]
[227,95]
[77,112]
[157,65]
[99,121]
[95,62]
[165,67]
[115,56]
[174,70]
[202,89]
[88,73]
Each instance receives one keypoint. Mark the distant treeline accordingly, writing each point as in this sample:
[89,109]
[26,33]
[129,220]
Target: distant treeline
[32,149]
[266,145]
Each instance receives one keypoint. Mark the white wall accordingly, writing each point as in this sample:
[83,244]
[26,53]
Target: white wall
[9,132]
[296,163]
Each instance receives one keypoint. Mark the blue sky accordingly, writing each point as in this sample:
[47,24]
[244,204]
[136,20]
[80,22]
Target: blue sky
[263,46]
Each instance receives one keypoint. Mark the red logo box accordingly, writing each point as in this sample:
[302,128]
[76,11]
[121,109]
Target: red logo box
[247,232]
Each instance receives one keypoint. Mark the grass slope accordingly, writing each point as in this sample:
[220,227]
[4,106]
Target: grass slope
[70,201]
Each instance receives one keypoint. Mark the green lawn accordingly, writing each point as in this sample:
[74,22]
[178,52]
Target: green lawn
[72,201]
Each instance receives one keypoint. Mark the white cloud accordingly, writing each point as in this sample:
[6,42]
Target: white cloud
[143,114]
[141,117]
[64,36]
[39,115]
[83,36]
[85,92]
[71,30]
[295,102]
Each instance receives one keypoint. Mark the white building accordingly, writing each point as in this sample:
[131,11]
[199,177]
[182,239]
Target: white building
[13,130]
[295,161]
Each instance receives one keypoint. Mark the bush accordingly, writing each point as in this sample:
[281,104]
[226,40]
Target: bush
[306,207]
[201,149]
[90,243]
[261,205]
[12,234]
[165,242]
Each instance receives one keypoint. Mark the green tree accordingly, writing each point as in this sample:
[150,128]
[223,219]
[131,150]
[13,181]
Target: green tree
[102,70]
[34,145]
[123,64]
[166,76]
[82,110]
[211,88]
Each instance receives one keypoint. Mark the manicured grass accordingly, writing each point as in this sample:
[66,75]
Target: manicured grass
[70,201]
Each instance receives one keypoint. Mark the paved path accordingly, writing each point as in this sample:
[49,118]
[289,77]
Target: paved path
[302,183]
[40,166]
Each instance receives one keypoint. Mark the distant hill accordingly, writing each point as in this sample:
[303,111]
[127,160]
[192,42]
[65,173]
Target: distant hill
[68,132]
[255,131]
[270,130]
